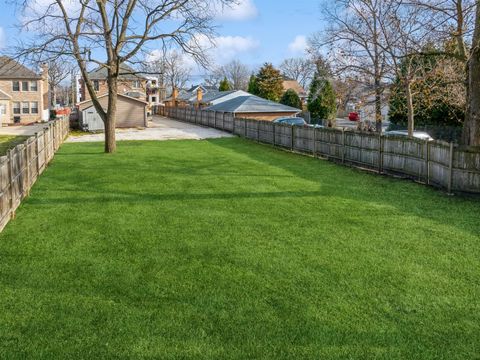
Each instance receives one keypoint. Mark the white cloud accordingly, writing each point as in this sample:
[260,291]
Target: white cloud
[238,11]
[299,45]
[2,38]
[228,47]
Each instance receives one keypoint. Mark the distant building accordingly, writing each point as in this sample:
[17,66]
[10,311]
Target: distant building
[24,93]
[191,97]
[130,83]
[295,86]
[254,107]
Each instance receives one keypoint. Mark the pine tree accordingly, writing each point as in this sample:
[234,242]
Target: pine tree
[252,85]
[322,101]
[290,98]
[224,85]
[269,83]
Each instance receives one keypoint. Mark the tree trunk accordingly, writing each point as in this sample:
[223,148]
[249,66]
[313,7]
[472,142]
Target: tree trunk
[110,121]
[378,106]
[411,119]
[471,127]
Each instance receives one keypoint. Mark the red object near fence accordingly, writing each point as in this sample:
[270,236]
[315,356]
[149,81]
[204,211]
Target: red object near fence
[353,116]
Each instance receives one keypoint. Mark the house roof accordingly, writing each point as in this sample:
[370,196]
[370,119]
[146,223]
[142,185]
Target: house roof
[294,85]
[126,73]
[252,104]
[221,96]
[119,95]
[4,95]
[11,69]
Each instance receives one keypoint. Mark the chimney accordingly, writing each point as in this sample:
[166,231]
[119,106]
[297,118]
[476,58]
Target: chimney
[199,95]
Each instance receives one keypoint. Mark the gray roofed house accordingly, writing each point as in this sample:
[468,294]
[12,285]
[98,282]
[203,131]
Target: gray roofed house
[10,69]
[254,107]
[126,73]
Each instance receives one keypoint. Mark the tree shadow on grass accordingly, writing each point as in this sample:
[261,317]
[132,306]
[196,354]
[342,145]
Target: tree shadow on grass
[353,184]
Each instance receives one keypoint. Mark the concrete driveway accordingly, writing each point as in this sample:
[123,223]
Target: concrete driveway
[160,128]
[22,130]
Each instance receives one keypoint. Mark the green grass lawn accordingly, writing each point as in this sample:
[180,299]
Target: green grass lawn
[227,249]
[10,141]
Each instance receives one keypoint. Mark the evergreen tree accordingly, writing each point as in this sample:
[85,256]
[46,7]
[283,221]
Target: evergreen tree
[290,98]
[224,85]
[322,101]
[269,83]
[252,85]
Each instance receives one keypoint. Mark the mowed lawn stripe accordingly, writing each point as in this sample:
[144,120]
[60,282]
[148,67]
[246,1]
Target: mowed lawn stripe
[226,249]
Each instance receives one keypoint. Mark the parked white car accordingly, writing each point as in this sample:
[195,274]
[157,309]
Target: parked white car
[416,134]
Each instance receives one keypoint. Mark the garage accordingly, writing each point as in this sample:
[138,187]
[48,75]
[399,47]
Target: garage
[131,113]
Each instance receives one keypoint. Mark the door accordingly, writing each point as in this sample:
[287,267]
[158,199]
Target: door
[92,120]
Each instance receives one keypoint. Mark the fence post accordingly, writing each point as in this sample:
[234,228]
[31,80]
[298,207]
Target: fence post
[233,124]
[45,147]
[214,119]
[427,161]
[11,180]
[292,133]
[380,153]
[274,140]
[258,131]
[314,142]
[344,149]
[27,157]
[450,169]
[245,128]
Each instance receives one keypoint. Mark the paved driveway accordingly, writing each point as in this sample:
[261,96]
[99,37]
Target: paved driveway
[161,128]
[22,130]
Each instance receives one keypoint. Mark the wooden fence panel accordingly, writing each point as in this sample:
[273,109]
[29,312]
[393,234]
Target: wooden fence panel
[24,163]
[436,162]
[303,140]
[283,135]
[265,132]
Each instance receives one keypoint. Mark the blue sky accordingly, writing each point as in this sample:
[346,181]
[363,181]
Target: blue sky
[255,31]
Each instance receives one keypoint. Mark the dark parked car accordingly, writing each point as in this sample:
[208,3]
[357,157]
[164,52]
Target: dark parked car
[297,121]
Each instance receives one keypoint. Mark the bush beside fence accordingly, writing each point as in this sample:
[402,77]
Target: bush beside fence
[436,163]
[23,164]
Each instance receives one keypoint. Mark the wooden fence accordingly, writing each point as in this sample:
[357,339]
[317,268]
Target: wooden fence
[22,165]
[436,163]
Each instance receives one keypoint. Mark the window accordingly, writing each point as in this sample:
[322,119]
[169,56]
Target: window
[16,85]
[33,86]
[3,109]
[96,85]
[16,108]
[154,99]
[137,84]
[25,86]
[25,108]
[34,107]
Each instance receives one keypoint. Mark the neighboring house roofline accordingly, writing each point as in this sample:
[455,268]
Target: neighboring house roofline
[11,69]
[102,96]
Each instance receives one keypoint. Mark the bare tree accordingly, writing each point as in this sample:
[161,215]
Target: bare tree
[354,36]
[171,67]
[299,69]
[236,73]
[58,71]
[109,33]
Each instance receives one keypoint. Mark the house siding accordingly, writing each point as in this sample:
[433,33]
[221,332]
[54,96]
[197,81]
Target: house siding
[124,86]
[40,96]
